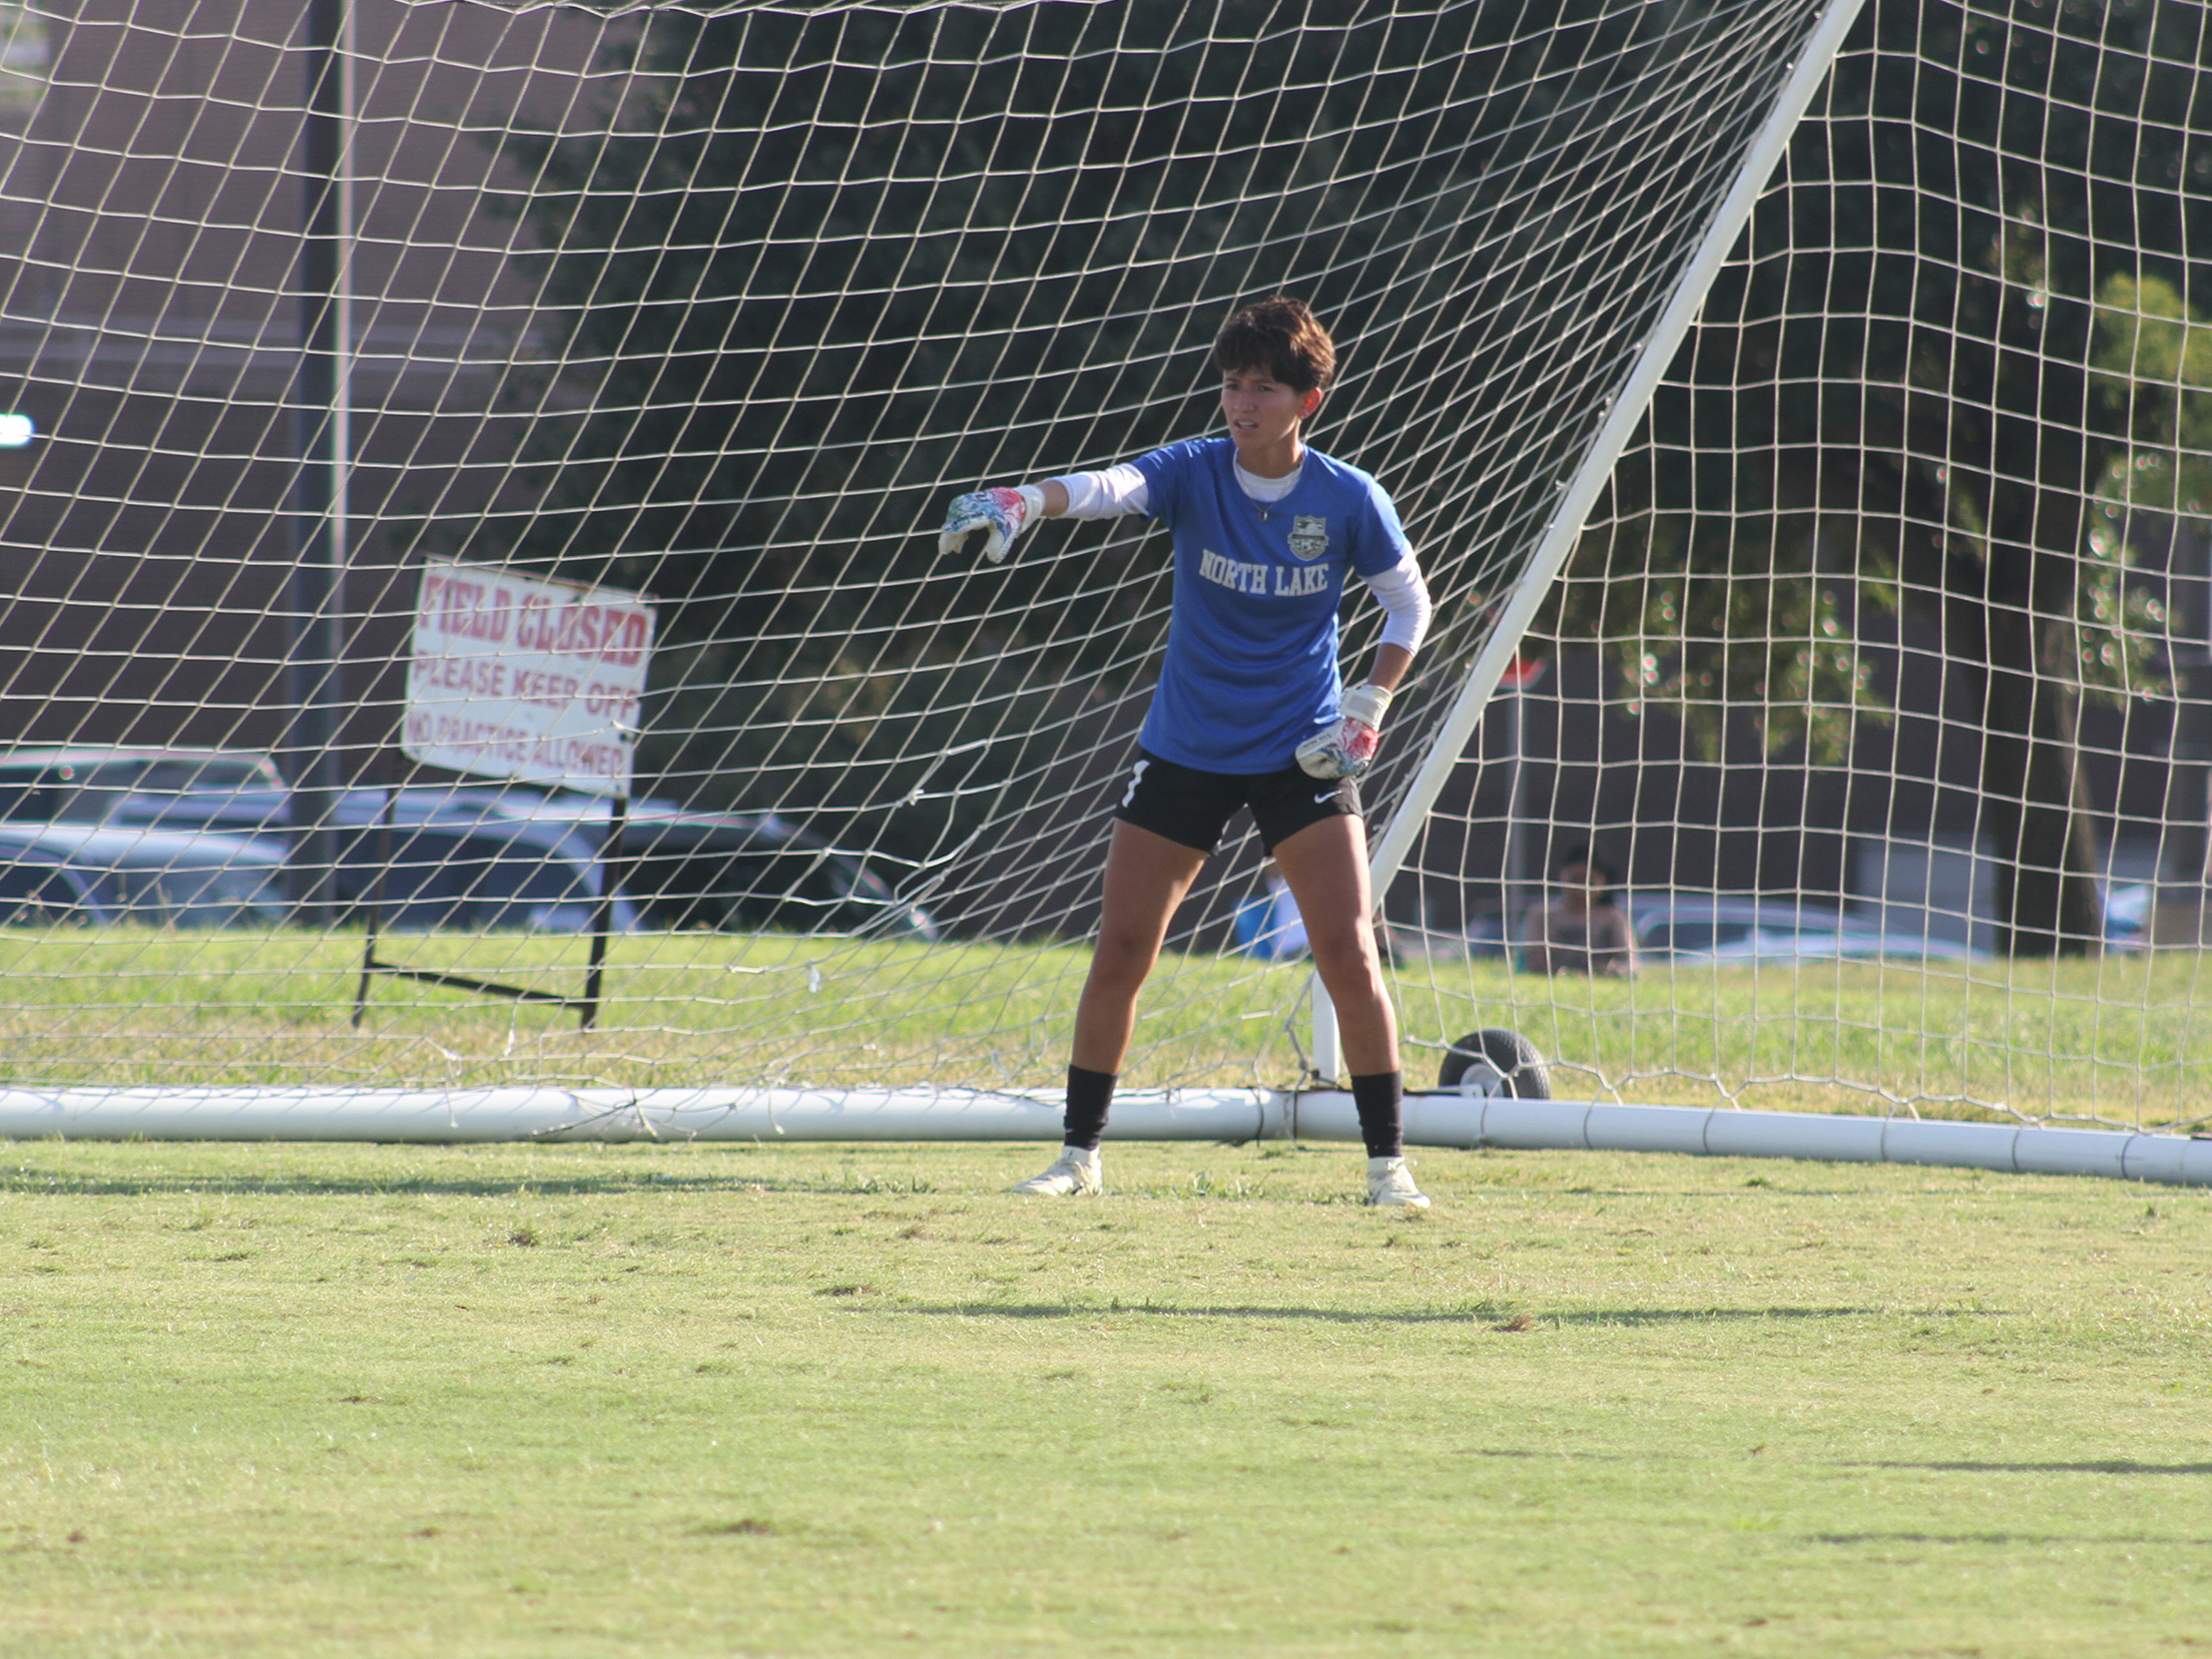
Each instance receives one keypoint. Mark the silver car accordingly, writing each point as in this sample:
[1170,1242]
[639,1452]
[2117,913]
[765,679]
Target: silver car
[1686,931]
[85,872]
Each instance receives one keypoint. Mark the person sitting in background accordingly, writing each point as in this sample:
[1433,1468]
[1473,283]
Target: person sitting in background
[1267,926]
[1581,930]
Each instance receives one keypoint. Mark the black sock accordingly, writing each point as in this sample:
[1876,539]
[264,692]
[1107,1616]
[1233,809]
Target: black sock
[1378,1099]
[1089,1094]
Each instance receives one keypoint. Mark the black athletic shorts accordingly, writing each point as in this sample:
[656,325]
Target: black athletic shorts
[1193,807]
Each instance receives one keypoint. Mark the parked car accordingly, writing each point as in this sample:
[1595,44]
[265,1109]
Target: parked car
[446,865]
[472,856]
[1682,930]
[732,871]
[238,791]
[38,890]
[749,871]
[62,872]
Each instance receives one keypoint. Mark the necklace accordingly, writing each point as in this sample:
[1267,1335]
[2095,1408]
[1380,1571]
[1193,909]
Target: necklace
[1289,481]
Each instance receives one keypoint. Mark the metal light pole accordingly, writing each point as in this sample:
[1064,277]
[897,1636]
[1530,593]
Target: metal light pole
[319,492]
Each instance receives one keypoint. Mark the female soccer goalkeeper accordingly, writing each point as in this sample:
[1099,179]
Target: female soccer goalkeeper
[1250,709]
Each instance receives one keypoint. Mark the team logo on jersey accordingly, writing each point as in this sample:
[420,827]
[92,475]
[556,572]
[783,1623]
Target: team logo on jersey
[1308,537]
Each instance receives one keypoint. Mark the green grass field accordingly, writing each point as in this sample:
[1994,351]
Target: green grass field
[2123,1040]
[590,1400]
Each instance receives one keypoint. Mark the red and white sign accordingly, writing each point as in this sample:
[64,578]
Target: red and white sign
[516,677]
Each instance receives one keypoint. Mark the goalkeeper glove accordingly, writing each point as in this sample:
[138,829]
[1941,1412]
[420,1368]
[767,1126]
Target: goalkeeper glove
[1347,749]
[1001,516]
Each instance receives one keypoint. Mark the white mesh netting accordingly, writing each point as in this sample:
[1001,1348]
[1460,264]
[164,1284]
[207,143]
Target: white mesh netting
[718,305]
[1878,675]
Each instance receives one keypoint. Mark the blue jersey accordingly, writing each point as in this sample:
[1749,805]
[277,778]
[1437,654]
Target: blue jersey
[1251,669]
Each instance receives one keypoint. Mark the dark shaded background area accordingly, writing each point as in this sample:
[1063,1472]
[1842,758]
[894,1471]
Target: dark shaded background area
[724,308]
[828,269]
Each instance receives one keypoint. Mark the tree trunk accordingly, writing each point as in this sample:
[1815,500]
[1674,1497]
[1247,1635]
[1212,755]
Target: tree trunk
[2039,462]
[2034,805]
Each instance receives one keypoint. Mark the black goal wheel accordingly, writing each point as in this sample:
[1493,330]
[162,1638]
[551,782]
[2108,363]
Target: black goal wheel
[1522,1074]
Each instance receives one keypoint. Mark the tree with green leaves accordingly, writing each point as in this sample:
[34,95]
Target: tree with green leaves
[1942,353]
[2153,368]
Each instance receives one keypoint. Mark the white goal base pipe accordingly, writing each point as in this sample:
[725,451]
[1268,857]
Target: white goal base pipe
[1440,1119]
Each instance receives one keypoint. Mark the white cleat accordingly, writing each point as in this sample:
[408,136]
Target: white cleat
[1391,1186]
[1076,1174]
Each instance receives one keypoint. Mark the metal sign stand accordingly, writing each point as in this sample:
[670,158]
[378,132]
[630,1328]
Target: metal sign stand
[602,925]
[528,677]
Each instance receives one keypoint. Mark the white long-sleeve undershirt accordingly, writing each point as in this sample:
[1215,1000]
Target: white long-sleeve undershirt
[1399,590]
[1407,607]
[1109,494]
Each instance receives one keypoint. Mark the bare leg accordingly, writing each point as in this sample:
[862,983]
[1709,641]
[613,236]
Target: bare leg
[1326,864]
[1147,877]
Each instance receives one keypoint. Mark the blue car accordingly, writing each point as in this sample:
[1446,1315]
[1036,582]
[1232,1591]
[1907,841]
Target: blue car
[728,871]
[476,855]
[446,863]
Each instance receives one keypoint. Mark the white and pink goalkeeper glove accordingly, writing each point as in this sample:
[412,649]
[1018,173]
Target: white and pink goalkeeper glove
[1347,749]
[1001,514]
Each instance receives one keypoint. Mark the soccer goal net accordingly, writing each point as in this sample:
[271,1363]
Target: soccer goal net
[1814,509]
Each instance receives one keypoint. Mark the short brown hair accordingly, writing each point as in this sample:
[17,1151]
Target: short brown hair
[1279,337]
